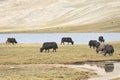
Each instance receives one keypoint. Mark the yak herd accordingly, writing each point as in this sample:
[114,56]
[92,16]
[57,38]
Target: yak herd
[98,45]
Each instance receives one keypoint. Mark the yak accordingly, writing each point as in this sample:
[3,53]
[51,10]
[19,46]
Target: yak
[11,40]
[49,45]
[67,39]
[106,49]
[100,48]
[101,39]
[93,43]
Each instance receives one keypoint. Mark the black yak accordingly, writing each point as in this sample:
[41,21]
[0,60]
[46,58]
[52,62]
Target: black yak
[11,40]
[67,39]
[49,45]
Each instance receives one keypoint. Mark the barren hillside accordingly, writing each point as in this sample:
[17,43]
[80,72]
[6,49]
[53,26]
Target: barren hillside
[60,15]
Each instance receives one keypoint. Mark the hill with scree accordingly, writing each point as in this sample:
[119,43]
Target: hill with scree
[59,16]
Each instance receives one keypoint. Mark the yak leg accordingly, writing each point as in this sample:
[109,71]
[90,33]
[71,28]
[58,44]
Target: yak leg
[97,51]
[48,50]
[61,43]
[90,46]
[45,50]
[110,54]
[55,50]
[104,54]
[7,42]
[13,43]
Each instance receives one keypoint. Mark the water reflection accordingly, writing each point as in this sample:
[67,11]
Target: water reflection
[109,67]
[108,70]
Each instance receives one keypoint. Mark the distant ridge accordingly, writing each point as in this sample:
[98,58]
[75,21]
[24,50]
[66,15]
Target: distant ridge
[59,15]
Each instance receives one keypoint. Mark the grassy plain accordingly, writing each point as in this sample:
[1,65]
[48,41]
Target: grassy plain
[25,62]
[30,54]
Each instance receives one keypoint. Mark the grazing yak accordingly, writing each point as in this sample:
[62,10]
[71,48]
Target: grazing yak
[101,39]
[93,43]
[100,48]
[108,49]
[67,39]
[49,45]
[105,48]
[11,40]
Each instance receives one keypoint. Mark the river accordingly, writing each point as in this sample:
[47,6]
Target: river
[78,38]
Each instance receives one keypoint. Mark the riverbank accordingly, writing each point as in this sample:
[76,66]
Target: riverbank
[43,72]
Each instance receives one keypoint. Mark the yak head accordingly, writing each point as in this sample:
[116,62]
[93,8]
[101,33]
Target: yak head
[97,44]
[72,42]
[16,42]
[41,49]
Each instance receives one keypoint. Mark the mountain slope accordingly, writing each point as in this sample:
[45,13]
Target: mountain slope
[49,15]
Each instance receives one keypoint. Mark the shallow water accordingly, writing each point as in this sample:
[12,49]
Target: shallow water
[78,38]
[107,71]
